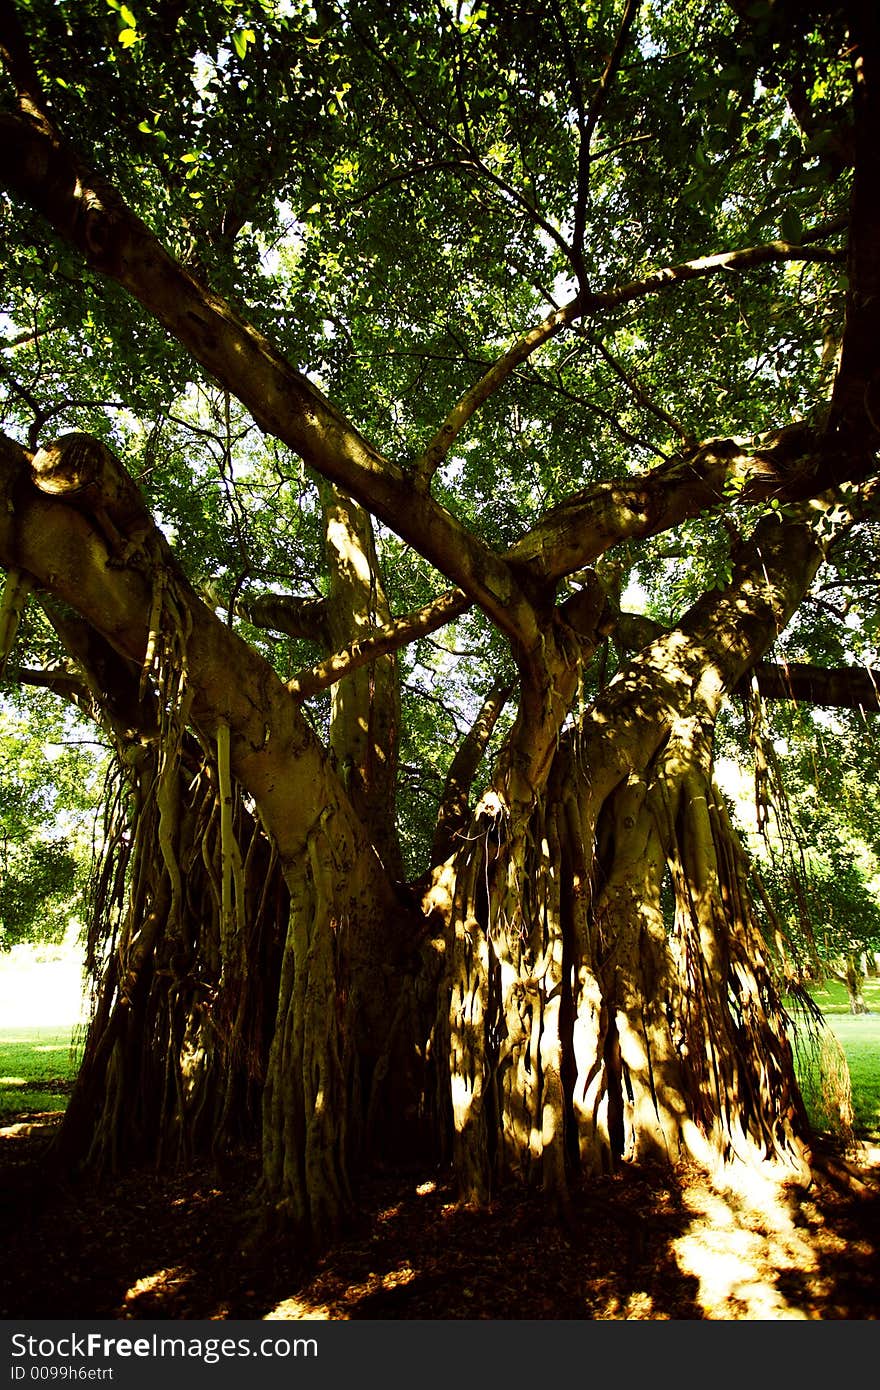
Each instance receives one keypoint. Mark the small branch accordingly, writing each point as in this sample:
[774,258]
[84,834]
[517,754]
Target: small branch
[607,415]
[30,335]
[583,175]
[421,166]
[427,464]
[639,393]
[39,414]
[389,638]
[587,129]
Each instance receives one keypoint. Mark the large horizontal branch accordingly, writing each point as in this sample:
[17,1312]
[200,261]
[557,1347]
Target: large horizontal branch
[745,259]
[394,635]
[37,165]
[795,463]
[846,687]
[68,684]
[293,614]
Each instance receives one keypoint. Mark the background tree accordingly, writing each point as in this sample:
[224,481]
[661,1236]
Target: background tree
[50,788]
[419,340]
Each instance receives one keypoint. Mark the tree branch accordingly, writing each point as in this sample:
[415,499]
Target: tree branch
[855,400]
[394,635]
[794,463]
[429,461]
[745,259]
[59,680]
[291,614]
[453,811]
[587,128]
[847,687]
[89,213]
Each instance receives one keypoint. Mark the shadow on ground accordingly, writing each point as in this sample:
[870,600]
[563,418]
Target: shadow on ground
[641,1245]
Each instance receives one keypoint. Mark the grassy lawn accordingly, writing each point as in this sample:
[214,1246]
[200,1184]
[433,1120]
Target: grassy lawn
[859,1036]
[37,1067]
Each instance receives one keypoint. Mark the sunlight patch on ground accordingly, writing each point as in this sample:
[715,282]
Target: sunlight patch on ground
[293,1308]
[23,1129]
[744,1247]
[162,1282]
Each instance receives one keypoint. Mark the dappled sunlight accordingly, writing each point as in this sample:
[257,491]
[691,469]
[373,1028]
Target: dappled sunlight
[751,1248]
[159,1285]
[293,1308]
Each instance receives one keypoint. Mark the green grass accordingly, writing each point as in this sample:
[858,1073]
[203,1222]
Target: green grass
[833,1000]
[37,1068]
[859,1037]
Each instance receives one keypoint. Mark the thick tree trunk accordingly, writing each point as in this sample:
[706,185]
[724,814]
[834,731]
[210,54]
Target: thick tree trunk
[365,706]
[583,1027]
[348,930]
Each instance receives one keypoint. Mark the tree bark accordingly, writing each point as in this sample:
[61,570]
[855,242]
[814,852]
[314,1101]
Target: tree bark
[347,929]
[585,1029]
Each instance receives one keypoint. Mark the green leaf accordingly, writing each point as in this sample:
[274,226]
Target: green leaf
[128,38]
[240,42]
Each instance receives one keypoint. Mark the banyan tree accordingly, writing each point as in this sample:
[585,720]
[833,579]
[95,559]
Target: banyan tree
[363,370]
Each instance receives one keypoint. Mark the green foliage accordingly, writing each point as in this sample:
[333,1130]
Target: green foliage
[391,196]
[49,787]
[819,855]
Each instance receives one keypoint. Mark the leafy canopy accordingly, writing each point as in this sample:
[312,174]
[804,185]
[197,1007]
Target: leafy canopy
[395,197]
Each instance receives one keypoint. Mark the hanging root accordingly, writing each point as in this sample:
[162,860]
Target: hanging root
[176,1050]
[231,875]
[824,1078]
[16,589]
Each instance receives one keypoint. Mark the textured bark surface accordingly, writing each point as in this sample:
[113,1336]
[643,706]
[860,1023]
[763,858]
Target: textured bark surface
[587,1026]
[188,895]
[365,705]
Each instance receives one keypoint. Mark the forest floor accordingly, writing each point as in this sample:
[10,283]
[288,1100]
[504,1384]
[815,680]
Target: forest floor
[640,1245]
